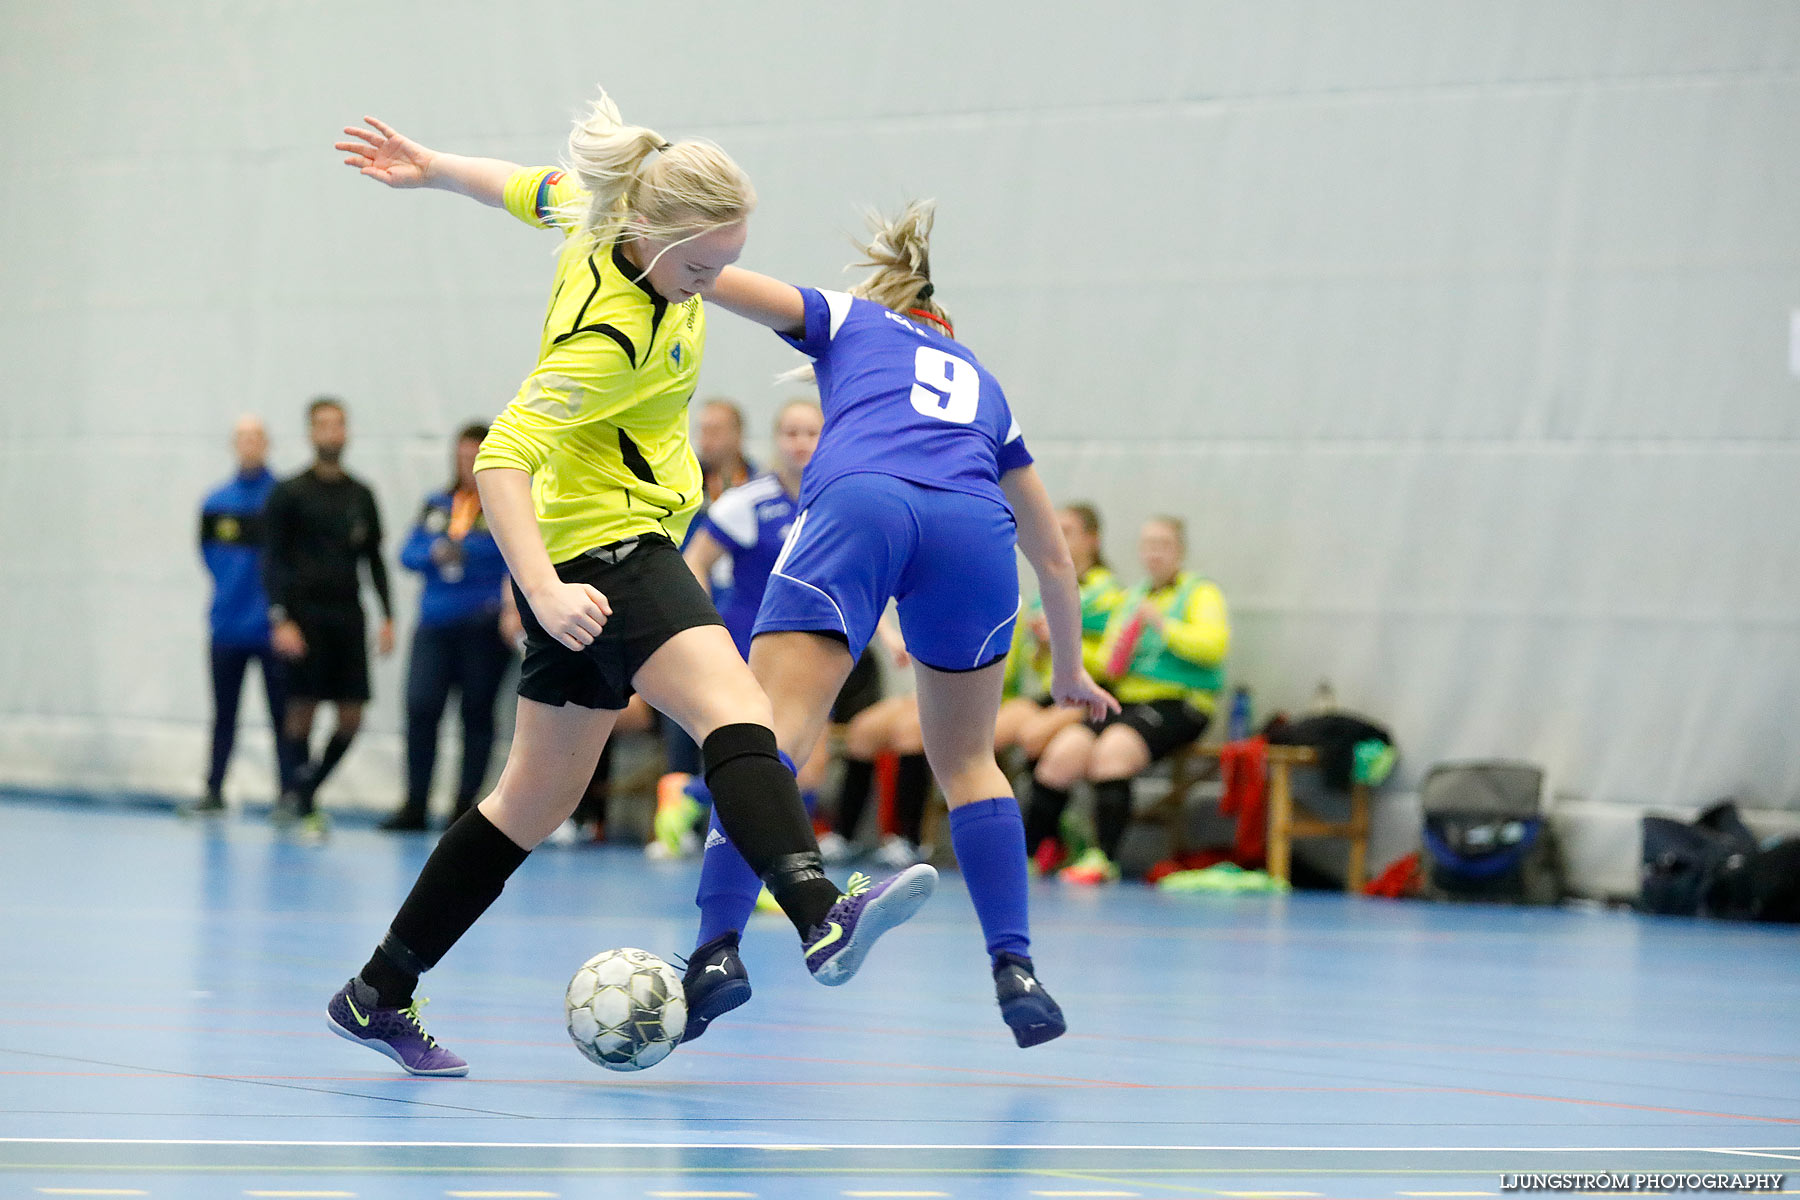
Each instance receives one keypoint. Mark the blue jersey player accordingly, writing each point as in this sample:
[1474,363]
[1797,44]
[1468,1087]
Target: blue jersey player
[919,492]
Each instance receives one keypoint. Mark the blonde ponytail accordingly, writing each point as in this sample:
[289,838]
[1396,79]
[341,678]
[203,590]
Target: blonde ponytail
[900,251]
[688,188]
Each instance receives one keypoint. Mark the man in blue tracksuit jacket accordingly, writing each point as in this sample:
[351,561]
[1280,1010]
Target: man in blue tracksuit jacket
[231,544]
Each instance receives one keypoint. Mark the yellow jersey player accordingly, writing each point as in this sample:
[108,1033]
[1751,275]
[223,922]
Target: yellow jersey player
[588,482]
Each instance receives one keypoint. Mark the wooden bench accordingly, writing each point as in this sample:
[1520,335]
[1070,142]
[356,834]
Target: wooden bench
[1289,820]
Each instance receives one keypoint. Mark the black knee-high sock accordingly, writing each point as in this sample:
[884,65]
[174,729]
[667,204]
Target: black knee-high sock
[911,783]
[461,879]
[330,758]
[298,753]
[758,806]
[853,796]
[1043,817]
[1112,813]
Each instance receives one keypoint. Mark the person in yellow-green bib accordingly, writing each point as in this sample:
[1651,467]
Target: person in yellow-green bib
[1163,653]
[1028,719]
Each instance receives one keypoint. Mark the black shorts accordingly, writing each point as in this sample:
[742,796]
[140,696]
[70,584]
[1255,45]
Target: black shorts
[861,690]
[336,664]
[1165,725]
[653,596]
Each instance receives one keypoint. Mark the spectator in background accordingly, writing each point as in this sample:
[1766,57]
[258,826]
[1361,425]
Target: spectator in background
[1164,650]
[323,525]
[719,445]
[231,544]
[462,641]
[1028,719]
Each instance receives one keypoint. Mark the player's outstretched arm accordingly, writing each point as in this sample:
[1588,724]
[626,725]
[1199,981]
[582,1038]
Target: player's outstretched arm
[384,154]
[1040,537]
[761,299]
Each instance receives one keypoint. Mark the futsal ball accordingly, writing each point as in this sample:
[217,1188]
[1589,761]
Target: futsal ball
[626,1009]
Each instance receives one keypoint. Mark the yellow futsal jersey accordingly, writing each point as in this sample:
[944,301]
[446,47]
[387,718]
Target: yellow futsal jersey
[602,422]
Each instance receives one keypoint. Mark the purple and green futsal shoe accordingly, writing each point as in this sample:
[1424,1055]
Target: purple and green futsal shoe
[395,1032]
[835,949]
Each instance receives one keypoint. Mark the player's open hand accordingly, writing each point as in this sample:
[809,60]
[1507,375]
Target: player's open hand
[572,613]
[382,153]
[1077,689]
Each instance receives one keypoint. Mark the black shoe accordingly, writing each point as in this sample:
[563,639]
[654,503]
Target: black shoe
[1026,1007]
[715,983]
[404,821]
[210,805]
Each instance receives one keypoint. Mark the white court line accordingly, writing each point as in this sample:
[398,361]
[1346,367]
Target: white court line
[1780,1152]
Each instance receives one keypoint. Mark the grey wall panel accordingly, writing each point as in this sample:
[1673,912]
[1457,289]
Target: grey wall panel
[1457,332]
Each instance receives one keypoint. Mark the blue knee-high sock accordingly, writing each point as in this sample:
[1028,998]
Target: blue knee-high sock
[728,887]
[989,837]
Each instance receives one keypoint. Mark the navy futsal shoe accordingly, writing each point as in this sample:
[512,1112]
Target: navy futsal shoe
[715,982]
[354,1015]
[835,949]
[1025,1006]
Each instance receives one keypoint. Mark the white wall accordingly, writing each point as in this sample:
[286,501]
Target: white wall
[1458,331]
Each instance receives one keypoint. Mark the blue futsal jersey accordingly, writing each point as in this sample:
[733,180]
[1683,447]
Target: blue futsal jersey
[902,400]
[751,521]
[919,434]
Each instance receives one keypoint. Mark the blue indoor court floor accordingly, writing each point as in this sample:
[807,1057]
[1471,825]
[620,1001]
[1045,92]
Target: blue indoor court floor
[162,1034]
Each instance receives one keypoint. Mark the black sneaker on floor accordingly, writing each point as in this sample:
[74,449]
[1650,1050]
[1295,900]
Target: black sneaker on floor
[1026,1007]
[715,983]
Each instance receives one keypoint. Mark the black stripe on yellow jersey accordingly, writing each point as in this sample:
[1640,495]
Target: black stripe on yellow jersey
[601,423]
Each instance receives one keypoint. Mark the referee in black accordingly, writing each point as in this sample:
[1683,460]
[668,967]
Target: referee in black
[321,525]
